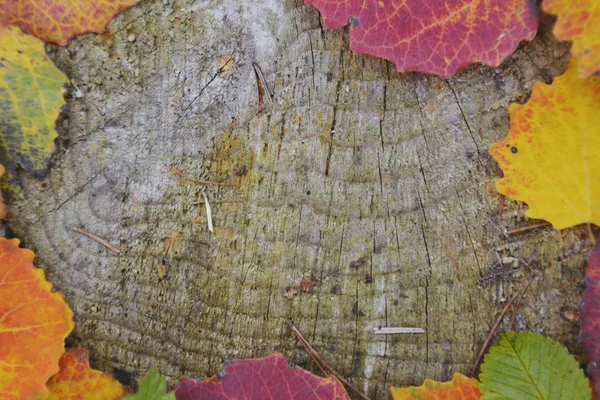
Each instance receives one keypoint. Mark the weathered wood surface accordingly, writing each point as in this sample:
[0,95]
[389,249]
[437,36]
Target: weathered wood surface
[352,160]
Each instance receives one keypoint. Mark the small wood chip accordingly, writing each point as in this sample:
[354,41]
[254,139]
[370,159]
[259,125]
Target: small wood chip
[397,331]
[208,213]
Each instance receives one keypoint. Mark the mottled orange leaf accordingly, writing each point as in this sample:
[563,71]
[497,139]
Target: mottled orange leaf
[551,157]
[77,381]
[34,323]
[459,388]
[579,21]
[58,21]
[269,378]
[434,36]
[2,206]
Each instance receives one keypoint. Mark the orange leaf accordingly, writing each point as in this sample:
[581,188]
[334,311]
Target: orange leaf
[459,388]
[579,21]
[58,21]
[550,158]
[34,323]
[2,206]
[76,381]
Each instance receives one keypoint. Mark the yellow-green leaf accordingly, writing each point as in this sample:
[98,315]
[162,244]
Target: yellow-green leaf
[551,157]
[31,94]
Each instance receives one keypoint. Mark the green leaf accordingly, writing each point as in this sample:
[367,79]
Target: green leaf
[523,366]
[152,387]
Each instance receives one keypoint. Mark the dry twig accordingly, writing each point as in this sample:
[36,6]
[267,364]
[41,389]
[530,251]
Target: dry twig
[516,308]
[527,228]
[493,331]
[316,356]
[97,239]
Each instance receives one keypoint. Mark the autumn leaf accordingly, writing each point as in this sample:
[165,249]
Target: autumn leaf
[434,36]
[550,157]
[2,206]
[459,388]
[152,387]
[31,94]
[58,21]
[77,381]
[526,366]
[269,378]
[589,334]
[579,21]
[34,323]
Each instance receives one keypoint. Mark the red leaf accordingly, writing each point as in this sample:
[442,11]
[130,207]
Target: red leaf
[435,36]
[589,336]
[268,378]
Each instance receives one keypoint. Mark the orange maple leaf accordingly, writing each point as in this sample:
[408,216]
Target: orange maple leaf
[579,21]
[77,381]
[459,388]
[34,323]
[58,21]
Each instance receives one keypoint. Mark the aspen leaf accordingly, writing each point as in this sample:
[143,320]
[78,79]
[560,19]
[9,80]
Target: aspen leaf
[526,366]
[152,387]
[269,378]
[77,381]
[551,156]
[2,206]
[435,36]
[58,21]
[31,94]
[589,334]
[34,323]
[459,388]
[579,21]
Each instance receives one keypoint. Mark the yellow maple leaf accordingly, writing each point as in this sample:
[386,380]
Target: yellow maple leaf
[551,157]
[459,388]
[579,21]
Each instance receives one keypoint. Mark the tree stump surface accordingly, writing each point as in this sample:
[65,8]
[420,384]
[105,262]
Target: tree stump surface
[375,186]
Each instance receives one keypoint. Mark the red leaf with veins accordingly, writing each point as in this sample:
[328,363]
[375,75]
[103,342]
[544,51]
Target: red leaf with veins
[589,335]
[435,36]
[269,378]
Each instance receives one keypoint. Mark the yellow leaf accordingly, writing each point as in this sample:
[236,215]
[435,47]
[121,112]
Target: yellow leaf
[551,157]
[459,388]
[31,94]
[579,21]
